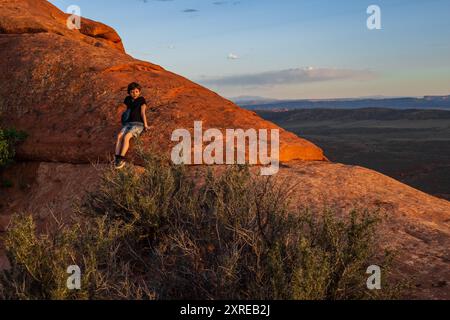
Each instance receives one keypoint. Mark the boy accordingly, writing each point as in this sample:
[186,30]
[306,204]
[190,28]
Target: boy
[135,125]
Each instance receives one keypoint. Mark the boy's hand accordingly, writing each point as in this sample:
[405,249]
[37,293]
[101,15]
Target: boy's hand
[147,128]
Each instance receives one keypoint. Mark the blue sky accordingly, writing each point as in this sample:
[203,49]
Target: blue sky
[288,48]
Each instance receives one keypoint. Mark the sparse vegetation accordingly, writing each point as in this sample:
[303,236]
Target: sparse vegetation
[5,183]
[155,234]
[8,141]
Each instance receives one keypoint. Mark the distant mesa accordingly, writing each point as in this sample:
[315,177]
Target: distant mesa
[427,102]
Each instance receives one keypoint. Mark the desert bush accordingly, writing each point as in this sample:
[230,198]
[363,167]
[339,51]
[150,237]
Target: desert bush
[4,149]
[164,232]
[39,261]
[8,140]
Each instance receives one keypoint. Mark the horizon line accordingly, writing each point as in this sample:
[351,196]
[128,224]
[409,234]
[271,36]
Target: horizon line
[380,97]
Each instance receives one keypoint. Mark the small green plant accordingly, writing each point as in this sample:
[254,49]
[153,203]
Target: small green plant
[156,234]
[8,141]
[5,153]
[7,183]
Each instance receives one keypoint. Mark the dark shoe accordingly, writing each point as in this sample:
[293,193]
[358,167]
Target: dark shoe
[120,164]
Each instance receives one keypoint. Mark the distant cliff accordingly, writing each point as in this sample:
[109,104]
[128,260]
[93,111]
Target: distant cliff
[429,102]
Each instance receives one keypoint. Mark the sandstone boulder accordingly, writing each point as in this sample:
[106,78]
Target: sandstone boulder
[30,17]
[64,89]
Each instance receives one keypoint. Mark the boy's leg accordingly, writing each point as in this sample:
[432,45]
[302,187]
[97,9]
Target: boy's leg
[119,143]
[125,144]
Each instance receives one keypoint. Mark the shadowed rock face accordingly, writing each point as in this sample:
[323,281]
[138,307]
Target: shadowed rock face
[64,88]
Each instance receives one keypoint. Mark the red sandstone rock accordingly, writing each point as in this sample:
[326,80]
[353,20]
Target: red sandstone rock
[67,91]
[4,222]
[40,16]
[4,262]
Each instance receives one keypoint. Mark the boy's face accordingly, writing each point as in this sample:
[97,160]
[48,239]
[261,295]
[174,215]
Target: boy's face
[135,93]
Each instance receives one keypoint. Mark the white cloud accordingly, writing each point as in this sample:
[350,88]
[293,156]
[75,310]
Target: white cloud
[290,76]
[232,56]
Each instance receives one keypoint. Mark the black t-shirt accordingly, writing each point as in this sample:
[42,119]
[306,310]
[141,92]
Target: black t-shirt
[135,107]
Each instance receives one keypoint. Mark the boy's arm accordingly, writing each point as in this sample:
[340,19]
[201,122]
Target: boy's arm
[144,116]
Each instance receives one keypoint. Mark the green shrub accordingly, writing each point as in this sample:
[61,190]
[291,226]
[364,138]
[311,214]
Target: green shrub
[5,153]
[39,262]
[8,141]
[157,234]
[7,183]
